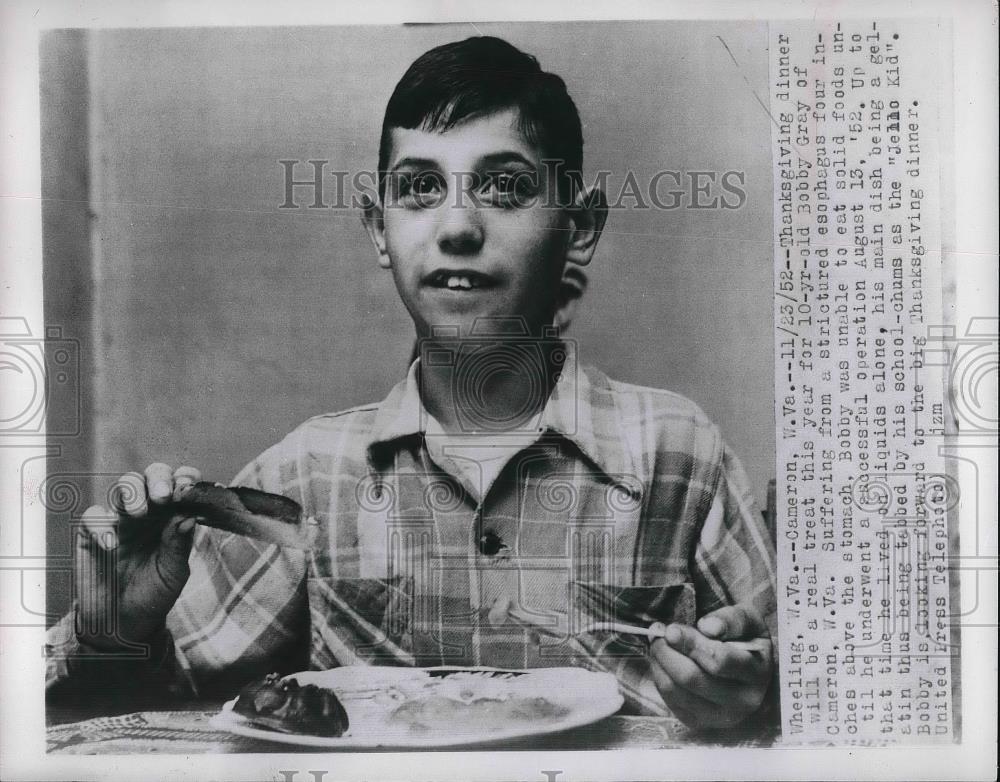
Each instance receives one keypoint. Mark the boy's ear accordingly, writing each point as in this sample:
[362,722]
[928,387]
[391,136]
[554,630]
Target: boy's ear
[373,220]
[587,215]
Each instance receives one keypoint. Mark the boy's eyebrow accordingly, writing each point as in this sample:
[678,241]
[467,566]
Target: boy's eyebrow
[498,158]
[492,159]
[421,163]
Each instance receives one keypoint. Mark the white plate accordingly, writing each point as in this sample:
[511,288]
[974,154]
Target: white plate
[369,693]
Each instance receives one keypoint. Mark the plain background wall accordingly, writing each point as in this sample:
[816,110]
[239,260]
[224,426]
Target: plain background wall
[211,322]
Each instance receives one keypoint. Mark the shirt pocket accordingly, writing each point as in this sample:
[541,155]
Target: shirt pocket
[635,605]
[358,621]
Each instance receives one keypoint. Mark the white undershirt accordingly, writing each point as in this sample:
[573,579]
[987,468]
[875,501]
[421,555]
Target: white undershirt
[477,456]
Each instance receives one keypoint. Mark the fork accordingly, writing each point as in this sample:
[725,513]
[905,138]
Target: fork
[620,627]
[525,620]
[649,632]
[615,627]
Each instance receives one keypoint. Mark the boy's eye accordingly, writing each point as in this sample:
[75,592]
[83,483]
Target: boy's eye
[422,189]
[510,188]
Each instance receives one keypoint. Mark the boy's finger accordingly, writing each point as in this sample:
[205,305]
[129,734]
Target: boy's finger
[100,525]
[172,555]
[687,674]
[729,660]
[128,495]
[692,709]
[92,564]
[733,623]
[185,476]
[159,482]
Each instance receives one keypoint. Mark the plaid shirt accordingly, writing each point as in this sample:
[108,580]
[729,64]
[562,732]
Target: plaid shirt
[627,506]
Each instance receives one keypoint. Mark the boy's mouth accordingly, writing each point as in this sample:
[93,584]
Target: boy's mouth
[458,280]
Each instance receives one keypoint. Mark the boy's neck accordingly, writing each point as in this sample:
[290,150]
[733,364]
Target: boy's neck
[489,387]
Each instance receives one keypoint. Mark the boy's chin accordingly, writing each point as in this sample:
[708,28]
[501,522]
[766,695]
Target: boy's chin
[492,326]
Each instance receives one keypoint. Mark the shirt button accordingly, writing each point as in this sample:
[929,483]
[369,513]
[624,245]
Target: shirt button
[490,543]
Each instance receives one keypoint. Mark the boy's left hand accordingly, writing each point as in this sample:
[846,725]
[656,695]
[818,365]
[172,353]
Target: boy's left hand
[716,674]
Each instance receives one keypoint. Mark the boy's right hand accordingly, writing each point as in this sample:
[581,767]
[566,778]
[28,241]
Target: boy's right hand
[131,565]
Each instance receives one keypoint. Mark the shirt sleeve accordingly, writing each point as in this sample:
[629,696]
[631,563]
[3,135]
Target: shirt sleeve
[734,562]
[79,675]
[734,558]
[242,613]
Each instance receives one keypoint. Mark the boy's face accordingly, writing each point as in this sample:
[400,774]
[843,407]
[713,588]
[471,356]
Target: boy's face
[469,227]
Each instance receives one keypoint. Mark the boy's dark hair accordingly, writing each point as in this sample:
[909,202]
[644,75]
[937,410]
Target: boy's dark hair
[464,80]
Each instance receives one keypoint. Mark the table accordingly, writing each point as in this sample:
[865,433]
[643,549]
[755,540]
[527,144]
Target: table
[184,729]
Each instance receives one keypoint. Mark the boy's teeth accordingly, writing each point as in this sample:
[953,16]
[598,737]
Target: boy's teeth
[459,282]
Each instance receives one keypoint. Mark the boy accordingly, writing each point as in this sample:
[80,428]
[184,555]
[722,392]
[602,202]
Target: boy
[497,500]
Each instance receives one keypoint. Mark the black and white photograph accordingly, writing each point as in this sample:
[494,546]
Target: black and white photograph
[542,397]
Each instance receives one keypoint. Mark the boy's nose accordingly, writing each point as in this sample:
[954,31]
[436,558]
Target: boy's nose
[460,231]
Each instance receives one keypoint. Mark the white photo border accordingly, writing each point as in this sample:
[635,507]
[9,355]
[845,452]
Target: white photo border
[22,726]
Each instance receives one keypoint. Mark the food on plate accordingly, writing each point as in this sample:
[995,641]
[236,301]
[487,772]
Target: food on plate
[482,715]
[245,511]
[285,706]
[475,702]
[388,703]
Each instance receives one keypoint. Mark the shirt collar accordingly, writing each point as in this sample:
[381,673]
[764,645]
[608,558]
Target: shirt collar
[580,409]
